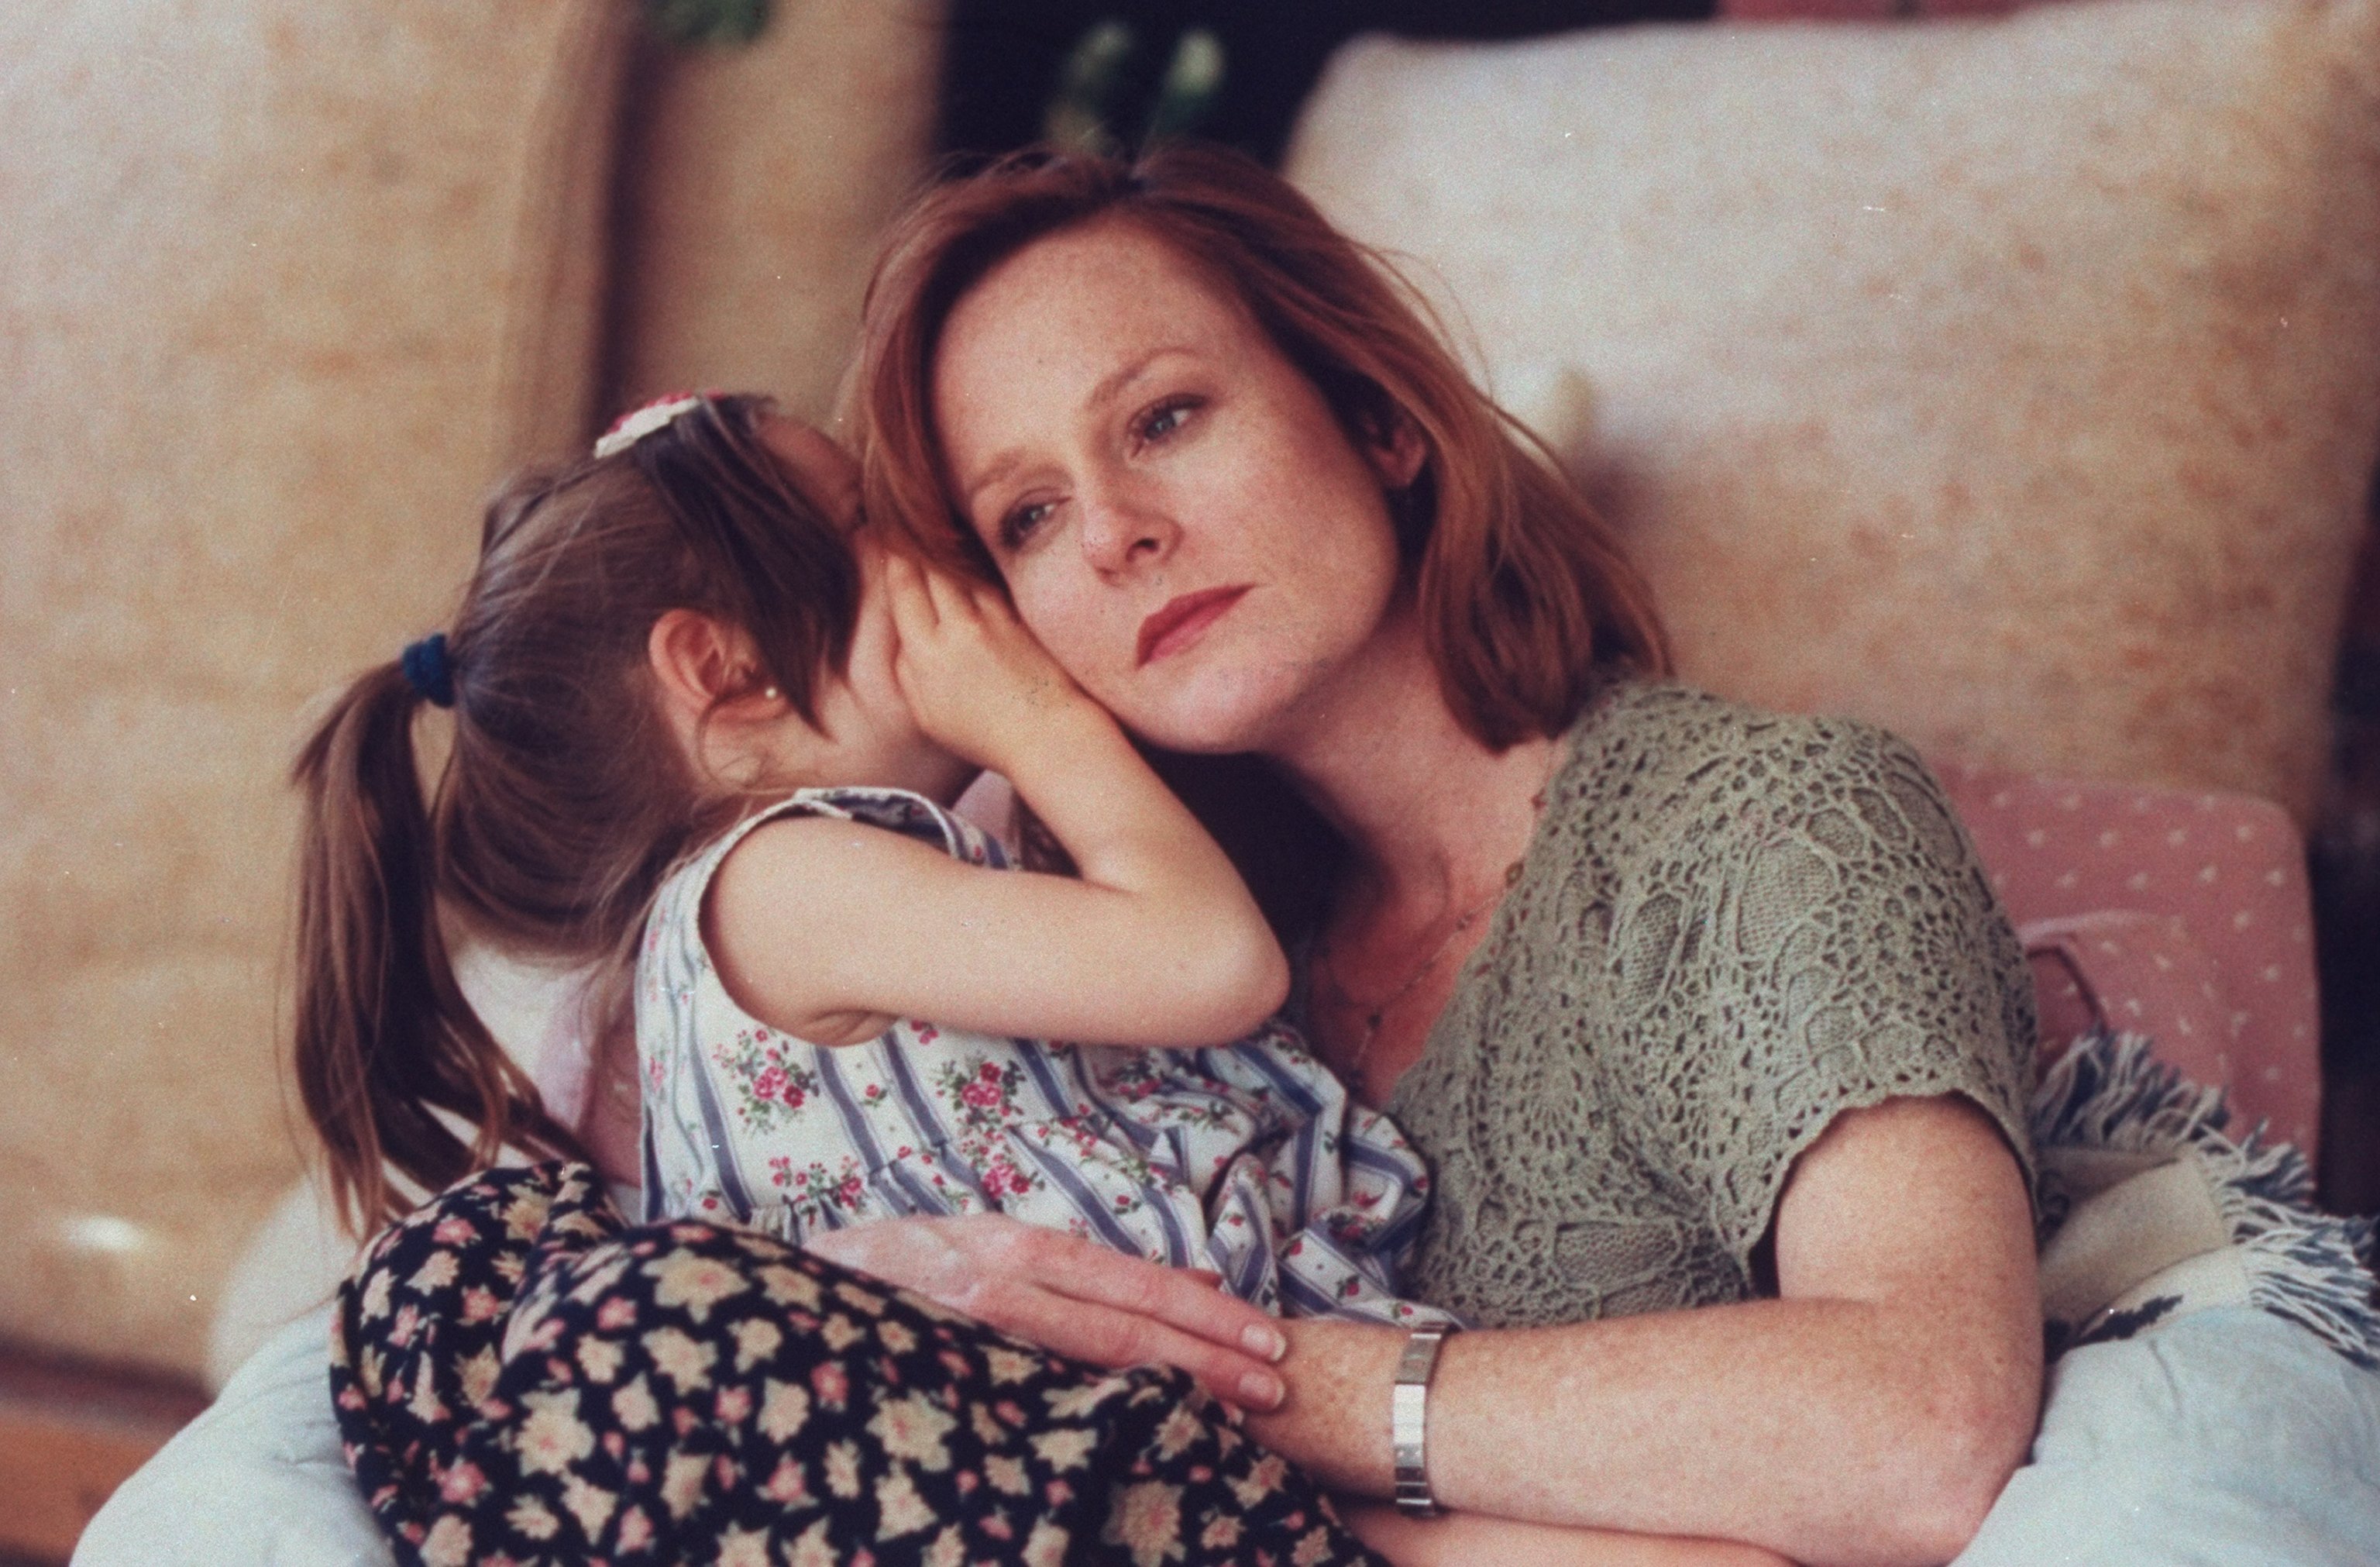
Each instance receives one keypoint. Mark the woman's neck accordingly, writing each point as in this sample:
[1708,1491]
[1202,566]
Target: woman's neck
[1432,816]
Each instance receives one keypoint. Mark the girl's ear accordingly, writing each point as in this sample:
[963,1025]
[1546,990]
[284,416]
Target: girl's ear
[699,661]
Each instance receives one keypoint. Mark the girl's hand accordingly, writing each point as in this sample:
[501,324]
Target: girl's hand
[976,680]
[1073,1296]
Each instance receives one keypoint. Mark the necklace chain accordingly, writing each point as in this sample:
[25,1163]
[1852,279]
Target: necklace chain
[1375,1012]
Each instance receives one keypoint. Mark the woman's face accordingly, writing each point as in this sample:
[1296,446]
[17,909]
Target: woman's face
[1178,514]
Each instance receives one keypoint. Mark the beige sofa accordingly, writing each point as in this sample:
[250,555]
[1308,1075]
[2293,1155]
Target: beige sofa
[2012,383]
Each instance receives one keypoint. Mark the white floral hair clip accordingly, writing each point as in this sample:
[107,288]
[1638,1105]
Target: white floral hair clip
[637,423]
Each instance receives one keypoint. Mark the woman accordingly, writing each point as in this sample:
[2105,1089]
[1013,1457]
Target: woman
[1706,1019]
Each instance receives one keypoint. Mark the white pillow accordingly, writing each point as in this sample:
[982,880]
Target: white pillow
[257,1479]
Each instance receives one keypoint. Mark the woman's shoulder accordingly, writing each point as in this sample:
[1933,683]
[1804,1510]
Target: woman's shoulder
[1664,725]
[1655,762]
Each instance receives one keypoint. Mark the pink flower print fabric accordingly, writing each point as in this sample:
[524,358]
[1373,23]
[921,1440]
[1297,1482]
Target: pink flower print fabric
[519,1376]
[1247,1157]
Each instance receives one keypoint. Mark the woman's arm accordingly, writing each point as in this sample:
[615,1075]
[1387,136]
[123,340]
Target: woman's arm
[1157,944]
[1869,1416]
[1463,1539]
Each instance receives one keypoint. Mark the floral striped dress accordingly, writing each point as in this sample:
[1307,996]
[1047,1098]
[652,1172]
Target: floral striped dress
[1247,1158]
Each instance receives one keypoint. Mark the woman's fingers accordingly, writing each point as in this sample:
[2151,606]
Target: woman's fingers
[1074,1296]
[1107,1336]
[1174,1298]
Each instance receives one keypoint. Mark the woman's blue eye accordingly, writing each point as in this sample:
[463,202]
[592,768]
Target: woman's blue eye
[1018,525]
[1165,418]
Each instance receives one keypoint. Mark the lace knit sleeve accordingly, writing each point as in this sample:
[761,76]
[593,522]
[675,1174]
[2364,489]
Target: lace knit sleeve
[1851,950]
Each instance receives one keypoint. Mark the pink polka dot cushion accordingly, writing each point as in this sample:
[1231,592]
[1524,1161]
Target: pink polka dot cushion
[2184,915]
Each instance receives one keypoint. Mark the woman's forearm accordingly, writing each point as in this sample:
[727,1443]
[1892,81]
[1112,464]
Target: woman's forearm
[1460,1540]
[1870,1416]
[1807,1426]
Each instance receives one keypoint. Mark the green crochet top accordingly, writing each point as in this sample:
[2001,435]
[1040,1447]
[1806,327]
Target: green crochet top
[1731,928]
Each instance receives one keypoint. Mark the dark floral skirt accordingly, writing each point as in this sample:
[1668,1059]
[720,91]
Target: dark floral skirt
[521,1377]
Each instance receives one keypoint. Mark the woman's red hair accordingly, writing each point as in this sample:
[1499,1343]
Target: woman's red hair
[1526,599]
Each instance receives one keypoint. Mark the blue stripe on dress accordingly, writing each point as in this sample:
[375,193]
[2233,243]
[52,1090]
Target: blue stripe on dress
[1373,1156]
[1041,1067]
[927,1118]
[1287,1083]
[863,1136]
[714,1126]
[1177,1239]
[1310,1301]
[1302,1196]
[649,1168]
[1085,1202]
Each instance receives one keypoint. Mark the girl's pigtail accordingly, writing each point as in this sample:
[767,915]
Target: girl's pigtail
[384,1038]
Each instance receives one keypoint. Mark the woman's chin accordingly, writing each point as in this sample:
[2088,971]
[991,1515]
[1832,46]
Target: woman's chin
[1214,711]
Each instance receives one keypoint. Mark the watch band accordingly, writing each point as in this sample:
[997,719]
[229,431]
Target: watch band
[1409,1421]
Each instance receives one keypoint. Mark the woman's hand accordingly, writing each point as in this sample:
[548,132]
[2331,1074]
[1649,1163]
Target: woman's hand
[1073,1296]
[976,679]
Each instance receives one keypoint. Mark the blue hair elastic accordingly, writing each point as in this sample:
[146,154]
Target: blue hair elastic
[428,671]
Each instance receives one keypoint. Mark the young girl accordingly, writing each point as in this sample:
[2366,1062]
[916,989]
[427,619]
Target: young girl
[792,1078]
[672,663]
[698,742]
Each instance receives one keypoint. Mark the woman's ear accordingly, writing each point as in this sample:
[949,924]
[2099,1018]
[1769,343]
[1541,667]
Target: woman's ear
[1398,451]
[699,661]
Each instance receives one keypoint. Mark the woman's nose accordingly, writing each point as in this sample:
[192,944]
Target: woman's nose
[1119,533]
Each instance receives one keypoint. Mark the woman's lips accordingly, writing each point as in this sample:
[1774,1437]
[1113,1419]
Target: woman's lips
[1182,620]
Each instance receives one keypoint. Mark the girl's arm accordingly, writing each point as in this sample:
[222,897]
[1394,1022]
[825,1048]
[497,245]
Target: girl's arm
[1869,1416]
[813,920]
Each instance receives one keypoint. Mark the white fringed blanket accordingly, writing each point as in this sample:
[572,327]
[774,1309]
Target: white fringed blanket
[2150,1210]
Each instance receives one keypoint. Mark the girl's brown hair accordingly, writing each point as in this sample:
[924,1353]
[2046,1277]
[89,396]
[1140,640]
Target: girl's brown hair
[564,798]
[1527,598]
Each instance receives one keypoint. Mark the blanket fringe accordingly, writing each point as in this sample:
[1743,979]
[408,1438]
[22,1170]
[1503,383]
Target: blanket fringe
[2109,1092]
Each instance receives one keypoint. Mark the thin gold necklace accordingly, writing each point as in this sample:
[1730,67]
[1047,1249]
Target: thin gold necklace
[1375,1012]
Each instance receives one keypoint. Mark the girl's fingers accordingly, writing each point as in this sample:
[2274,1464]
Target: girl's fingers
[952,600]
[906,589]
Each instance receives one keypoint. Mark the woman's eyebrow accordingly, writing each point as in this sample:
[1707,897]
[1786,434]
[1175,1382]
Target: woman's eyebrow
[1111,386]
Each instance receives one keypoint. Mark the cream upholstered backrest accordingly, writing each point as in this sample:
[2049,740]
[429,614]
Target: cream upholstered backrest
[287,287]
[2014,383]
[756,179]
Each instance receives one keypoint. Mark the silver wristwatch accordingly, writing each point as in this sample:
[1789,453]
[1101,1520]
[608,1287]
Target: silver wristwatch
[1409,1421]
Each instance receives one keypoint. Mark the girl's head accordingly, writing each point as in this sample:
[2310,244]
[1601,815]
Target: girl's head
[622,608]
[1214,448]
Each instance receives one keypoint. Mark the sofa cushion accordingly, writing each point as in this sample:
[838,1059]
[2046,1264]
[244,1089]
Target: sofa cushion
[2183,914]
[283,288]
[2010,383]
